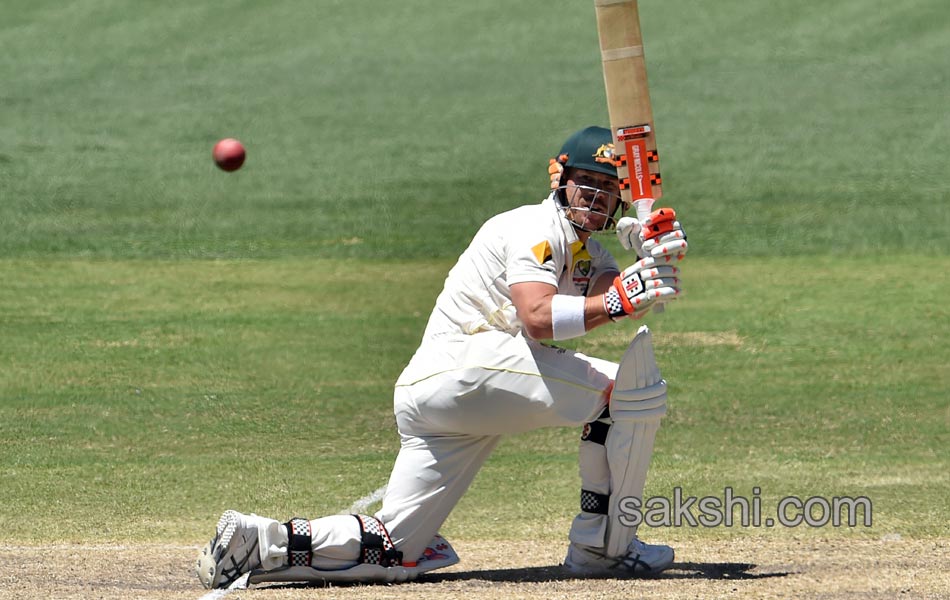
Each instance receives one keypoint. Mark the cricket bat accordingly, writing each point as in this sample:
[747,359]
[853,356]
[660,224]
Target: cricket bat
[628,101]
[628,104]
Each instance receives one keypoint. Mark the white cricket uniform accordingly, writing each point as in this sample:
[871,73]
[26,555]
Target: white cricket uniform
[475,376]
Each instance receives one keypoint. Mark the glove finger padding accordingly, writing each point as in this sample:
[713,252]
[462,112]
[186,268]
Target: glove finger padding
[556,170]
[662,283]
[655,262]
[652,284]
[670,252]
[658,222]
[658,229]
[665,294]
[669,245]
[651,272]
[628,234]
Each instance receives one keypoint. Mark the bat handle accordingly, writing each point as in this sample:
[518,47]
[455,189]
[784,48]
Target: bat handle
[643,207]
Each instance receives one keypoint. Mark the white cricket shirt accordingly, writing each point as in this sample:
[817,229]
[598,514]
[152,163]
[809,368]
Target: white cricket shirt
[530,243]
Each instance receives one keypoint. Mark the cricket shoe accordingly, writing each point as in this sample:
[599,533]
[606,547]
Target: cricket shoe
[232,552]
[640,559]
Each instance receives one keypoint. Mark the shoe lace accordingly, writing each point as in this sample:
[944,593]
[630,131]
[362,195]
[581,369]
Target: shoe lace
[239,564]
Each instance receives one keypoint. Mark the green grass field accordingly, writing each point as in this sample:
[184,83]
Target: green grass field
[177,341]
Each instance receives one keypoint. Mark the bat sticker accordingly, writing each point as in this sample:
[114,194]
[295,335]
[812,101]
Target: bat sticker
[636,131]
[637,156]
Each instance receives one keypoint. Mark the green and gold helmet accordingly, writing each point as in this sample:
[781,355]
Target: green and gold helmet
[590,149]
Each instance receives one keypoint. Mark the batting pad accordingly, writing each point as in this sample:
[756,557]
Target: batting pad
[437,555]
[637,404]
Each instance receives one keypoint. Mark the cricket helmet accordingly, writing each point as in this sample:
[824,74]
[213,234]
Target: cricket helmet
[591,149]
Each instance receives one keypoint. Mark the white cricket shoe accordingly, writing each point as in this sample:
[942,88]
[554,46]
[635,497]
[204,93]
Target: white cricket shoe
[232,552]
[641,559]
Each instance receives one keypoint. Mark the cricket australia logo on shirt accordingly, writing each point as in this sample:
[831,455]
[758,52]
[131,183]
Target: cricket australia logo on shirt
[581,267]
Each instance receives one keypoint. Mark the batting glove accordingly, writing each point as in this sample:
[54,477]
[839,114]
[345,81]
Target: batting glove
[662,237]
[640,286]
[556,170]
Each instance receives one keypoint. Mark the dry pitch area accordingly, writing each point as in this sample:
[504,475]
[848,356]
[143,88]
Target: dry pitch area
[744,568]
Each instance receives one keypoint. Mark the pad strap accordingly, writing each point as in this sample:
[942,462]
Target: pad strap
[376,547]
[593,502]
[596,432]
[299,542]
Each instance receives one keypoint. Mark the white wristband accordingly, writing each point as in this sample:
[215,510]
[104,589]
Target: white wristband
[567,316]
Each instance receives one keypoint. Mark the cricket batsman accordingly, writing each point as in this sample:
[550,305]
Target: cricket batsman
[481,371]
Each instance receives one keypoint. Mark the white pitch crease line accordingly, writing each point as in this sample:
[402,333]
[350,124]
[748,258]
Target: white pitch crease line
[215,595]
[93,547]
[365,502]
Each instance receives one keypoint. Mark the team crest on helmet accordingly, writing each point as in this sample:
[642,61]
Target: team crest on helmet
[607,154]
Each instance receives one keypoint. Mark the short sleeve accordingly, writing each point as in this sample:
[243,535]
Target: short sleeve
[532,258]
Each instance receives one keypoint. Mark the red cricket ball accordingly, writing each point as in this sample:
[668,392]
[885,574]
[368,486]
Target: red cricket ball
[228,154]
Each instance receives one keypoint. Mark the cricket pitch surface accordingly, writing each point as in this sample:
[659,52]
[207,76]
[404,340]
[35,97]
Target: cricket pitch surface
[739,568]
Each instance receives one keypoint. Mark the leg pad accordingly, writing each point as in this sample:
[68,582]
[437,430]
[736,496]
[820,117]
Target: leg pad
[437,555]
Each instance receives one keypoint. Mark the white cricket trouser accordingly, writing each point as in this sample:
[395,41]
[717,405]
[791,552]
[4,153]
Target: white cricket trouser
[453,403]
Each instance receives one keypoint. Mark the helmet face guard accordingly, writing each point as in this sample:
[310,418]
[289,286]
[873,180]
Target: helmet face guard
[586,205]
[589,208]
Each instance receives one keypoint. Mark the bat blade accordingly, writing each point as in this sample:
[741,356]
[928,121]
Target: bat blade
[628,104]
[628,99]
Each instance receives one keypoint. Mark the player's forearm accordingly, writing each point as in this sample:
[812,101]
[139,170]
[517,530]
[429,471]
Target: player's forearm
[603,283]
[595,309]
[595,312]
[546,315]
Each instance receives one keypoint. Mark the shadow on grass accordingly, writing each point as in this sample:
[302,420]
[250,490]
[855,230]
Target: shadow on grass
[689,570]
